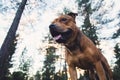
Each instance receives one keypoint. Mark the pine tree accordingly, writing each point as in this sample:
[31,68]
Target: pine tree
[8,63]
[19,75]
[90,30]
[87,28]
[116,70]
[37,76]
[117,34]
[49,64]
[9,40]
[24,62]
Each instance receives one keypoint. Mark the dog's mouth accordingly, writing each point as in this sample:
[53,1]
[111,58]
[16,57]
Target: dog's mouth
[61,37]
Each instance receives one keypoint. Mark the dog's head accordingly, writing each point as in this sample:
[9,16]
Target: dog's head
[63,28]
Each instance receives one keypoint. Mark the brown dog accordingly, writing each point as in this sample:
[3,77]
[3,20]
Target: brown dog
[80,50]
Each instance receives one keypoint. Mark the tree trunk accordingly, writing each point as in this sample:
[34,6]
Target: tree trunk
[5,48]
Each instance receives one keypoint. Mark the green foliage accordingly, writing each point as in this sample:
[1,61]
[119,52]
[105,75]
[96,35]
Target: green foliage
[117,51]
[24,62]
[61,75]
[37,76]
[117,34]
[66,10]
[18,76]
[116,73]
[49,64]
[87,28]
[90,30]
[116,70]
[80,2]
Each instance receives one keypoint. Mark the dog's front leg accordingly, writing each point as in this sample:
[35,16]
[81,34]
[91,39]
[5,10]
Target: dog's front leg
[100,70]
[73,73]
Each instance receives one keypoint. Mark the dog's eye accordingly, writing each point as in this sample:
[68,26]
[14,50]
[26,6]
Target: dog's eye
[63,20]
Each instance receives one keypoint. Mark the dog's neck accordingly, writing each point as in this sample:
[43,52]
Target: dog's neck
[75,44]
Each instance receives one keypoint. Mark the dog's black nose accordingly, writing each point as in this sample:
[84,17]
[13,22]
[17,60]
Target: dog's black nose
[52,26]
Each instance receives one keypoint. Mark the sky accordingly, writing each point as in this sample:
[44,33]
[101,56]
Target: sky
[37,17]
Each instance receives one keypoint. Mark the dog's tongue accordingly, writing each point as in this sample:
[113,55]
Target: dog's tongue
[57,37]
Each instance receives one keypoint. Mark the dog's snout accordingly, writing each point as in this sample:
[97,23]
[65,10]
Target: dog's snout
[52,26]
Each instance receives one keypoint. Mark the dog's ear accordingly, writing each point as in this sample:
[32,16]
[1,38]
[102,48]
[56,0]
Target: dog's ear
[73,15]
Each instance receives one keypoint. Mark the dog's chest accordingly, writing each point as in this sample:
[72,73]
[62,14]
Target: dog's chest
[80,60]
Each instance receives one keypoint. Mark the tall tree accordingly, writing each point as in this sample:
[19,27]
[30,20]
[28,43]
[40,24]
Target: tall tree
[5,48]
[24,62]
[88,29]
[8,63]
[116,70]
[49,64]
